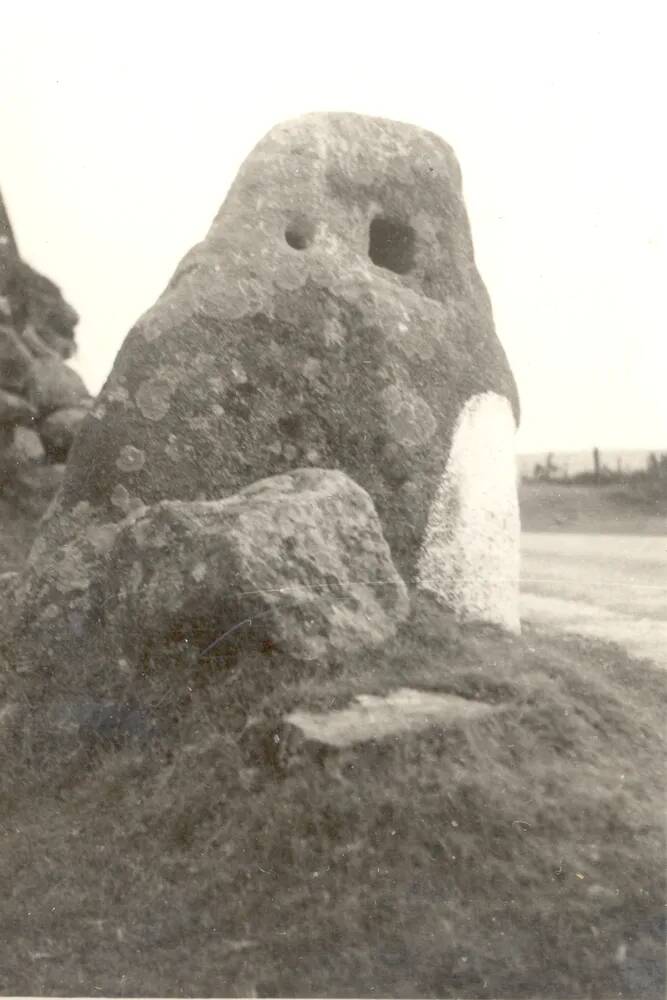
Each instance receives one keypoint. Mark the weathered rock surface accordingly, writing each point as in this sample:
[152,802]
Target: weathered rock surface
[26,448]
[52,386]
[39,483]
[59,429]
[14,409]
[8,584]
[15,359]
[298,559]
[332,317]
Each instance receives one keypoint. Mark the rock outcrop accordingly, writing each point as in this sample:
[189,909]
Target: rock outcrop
[333,317]
[36,338]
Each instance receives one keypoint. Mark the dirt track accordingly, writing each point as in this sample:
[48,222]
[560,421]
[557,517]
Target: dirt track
[603,586]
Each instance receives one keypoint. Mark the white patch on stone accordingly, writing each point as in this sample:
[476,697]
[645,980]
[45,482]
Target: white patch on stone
[470,554]
[102,536]
[120,497]
[118,394]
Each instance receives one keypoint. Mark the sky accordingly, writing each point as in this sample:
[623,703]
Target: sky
[122,126]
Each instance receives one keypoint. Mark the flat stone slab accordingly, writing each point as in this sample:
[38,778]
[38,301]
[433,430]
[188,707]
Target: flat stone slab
[374,717]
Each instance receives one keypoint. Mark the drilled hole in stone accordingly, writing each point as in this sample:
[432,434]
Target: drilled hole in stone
[391,244]
[299,234]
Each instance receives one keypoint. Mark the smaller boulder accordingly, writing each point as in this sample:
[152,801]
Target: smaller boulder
[53,385]
[41,306]
[376,717]
[37,345]
[299,560]
[312,737]
[27,447]
[58,431]
[15,359]
[14,409]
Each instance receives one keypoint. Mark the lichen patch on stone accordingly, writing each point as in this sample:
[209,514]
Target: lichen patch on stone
[409,417]
[130,459]
[153,399]
[120,498]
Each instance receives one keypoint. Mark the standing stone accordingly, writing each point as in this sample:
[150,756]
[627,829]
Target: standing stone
[333,316]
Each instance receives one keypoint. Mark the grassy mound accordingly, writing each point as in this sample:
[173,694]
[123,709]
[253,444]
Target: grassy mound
[518,855]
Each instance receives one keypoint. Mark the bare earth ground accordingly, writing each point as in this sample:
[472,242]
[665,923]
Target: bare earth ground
[594,561]
[635,508]
[602,586]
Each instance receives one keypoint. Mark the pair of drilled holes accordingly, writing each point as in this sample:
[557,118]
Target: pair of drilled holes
[391,244]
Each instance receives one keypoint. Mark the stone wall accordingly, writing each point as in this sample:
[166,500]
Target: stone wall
[42,400]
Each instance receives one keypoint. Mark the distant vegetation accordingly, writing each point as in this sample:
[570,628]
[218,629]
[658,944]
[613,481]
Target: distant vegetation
[602,469]
[630,499]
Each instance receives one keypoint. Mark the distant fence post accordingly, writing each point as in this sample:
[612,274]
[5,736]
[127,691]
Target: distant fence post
[596,464]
